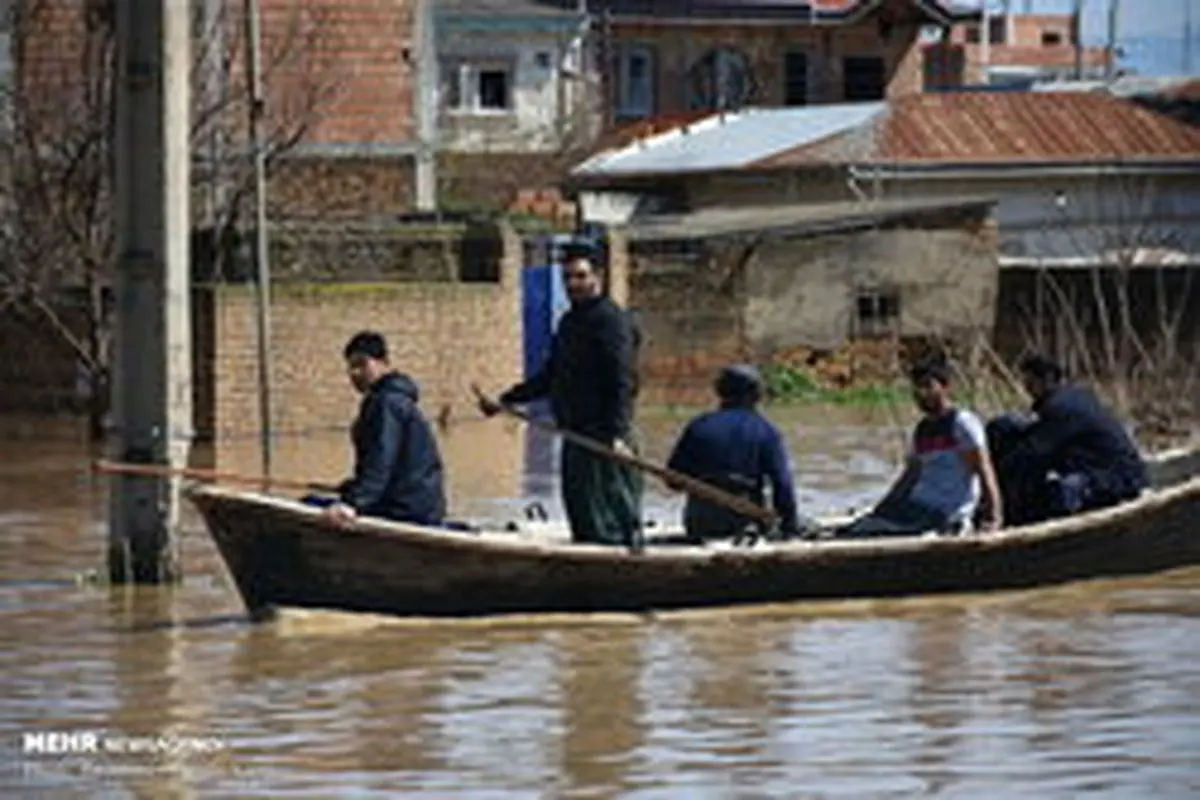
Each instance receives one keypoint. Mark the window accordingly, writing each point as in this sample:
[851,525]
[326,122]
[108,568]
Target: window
[1051,38]
[877,312]
[483,88]
[720,80]
[795,79]
[973,34]
[635,81]
[998,30]
[863,78]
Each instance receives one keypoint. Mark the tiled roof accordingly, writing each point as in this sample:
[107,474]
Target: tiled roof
[988,127]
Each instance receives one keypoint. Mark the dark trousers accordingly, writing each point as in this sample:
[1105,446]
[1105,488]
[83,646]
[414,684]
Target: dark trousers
[603,499]
[898,517]
[1031,492]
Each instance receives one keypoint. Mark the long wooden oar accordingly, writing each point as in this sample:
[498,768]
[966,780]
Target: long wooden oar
[691,485]
[207,475]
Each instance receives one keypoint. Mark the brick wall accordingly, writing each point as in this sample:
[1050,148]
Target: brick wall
[676,50]
[445,335]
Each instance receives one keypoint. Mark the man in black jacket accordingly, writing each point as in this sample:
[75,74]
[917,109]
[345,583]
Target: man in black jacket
[398,470]
[1072,456]
[591,380]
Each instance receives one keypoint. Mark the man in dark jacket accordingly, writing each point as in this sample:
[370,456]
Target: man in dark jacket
[1072,456]
[735,448]
[398,470]
[590,378]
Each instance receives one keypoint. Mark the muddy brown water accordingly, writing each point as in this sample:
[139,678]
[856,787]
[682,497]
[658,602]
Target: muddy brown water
[1091,690]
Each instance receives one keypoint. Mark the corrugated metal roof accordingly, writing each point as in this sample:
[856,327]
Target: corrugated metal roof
[1018,127]
[832,11]
[799,219]
[731,141]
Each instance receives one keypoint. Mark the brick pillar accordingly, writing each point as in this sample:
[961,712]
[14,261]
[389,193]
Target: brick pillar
[618,267]
[512,257]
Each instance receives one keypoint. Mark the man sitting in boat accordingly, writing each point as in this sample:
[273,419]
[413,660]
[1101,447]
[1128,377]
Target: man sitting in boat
[591,380]
[947,470]
[734,448]
[398,470]
[1072,455]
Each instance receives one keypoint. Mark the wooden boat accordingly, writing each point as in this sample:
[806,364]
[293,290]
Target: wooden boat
[282,554]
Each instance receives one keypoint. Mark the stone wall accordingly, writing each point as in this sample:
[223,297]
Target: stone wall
[711,302]
[365,185]
[807,291]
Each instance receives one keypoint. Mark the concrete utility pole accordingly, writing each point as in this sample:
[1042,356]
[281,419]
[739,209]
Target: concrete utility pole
[152,382]
[262,247]
[985,43]
[426,102]
[1077,38]
[1110,65]
[1187,39]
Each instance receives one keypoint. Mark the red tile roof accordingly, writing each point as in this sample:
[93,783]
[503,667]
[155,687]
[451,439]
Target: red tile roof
[992,127]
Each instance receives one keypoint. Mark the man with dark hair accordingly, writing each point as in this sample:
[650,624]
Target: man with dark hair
[735,448]
[591,380]
[947,473]
[1071,456]
[397,467]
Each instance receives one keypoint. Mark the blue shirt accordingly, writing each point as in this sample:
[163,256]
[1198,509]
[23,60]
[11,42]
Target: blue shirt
[738,450]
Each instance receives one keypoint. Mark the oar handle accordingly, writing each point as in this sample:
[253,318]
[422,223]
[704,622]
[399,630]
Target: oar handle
[207,475]
[691,485]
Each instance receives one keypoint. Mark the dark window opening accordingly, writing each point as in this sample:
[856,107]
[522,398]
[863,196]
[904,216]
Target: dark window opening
[877,312]
[795,79]
[997,30]
[863,78]
[493,89]
[1051,39]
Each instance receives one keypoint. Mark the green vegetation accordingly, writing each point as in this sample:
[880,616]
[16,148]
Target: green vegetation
[788,385]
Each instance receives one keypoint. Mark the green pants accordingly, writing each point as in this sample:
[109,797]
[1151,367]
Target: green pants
[603,498]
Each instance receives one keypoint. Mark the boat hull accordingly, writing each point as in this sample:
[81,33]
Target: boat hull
[283,554]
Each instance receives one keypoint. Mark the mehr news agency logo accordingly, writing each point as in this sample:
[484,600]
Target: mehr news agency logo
[84,743]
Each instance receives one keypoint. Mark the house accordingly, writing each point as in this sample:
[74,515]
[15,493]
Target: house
[1086,183]
[764,283]
[1067,168]
[1016,49]
[514,76]
[678,56]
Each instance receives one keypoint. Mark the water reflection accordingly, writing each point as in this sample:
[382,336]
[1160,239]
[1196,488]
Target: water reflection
[1093,688]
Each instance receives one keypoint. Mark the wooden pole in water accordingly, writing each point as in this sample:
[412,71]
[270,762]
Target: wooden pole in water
[151,386]
[262,253]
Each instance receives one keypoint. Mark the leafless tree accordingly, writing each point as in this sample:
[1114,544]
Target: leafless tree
[58,156]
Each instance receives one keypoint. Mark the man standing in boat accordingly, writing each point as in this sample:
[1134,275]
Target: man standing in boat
[398,471]
[736,449]
[948,470]
[1072,456]
[591,380]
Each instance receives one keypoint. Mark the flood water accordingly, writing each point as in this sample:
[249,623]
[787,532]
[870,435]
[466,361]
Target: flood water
[1091,690]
